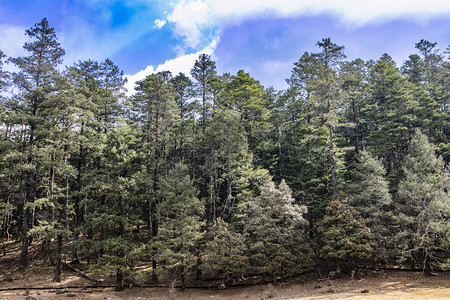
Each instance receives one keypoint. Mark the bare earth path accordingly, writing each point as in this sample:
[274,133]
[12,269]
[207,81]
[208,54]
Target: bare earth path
[375,285]
[379,284]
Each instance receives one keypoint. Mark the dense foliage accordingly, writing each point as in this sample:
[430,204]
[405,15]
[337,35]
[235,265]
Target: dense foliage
[182,175]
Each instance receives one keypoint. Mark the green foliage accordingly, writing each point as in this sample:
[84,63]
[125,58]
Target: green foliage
[275,226]
[183,128]
[204,71]
[180,173]
[225,252]
[423,204]
[222,164]
[107,234]
[180,222]
[4,76]
[246,96]
[344,237]
[369,195]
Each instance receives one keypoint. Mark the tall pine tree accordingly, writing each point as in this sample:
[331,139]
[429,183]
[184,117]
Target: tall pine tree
[35,80]
[423,204]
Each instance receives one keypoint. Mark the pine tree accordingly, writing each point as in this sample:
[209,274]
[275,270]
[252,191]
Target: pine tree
[353,76]
[423,203]
[184,128]
[154,105]
[8,159]
[430,72]
[222,160]
[277,240]
[303,81]
[107,233]
[204,71]
[99,87]
[180,216]
[369,195]
[414,69]
[4,76]
[302,138]
[344,238]
[330,57]
[388,118]
[35,80]
[247,96]
[225,252]
[53,207]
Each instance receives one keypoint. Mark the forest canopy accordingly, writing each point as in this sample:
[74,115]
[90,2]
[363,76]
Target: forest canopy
[215,175]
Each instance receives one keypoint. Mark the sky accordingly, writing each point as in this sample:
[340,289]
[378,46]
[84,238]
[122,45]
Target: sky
[262,37]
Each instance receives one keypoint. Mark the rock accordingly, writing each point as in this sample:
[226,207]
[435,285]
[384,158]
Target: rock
[62,291]
[364,291]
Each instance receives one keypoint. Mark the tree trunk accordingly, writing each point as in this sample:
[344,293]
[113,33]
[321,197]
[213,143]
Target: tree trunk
[211,202]
[58,260]
[89,236]
[183,284]
[426,263]
[199,270]
[119,280]
[155,198]
[203,108]
[333,162]
[24,254]
[355,129]
[154,276]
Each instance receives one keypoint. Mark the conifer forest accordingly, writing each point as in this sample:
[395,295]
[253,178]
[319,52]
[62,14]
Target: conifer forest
[208,175]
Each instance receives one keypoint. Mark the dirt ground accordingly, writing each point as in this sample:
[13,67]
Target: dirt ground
[380,284]
[375,285]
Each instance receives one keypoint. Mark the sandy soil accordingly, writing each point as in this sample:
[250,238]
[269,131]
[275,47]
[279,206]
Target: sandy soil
[376,285]
[379,284]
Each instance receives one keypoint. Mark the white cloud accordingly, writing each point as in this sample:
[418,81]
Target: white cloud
[160,23]
[15,39]
[179,64]
[190,18]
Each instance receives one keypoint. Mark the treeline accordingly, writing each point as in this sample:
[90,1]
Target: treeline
[216,176]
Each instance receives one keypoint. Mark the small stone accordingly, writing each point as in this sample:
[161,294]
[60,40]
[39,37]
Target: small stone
[62,291]
[364,291]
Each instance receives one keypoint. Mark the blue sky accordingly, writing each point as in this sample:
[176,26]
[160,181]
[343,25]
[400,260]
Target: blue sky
[263,37]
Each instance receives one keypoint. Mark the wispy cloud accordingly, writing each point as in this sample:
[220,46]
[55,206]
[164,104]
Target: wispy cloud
[179,64]
[15,38]
[114,29]
[194,19]
[160,23]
